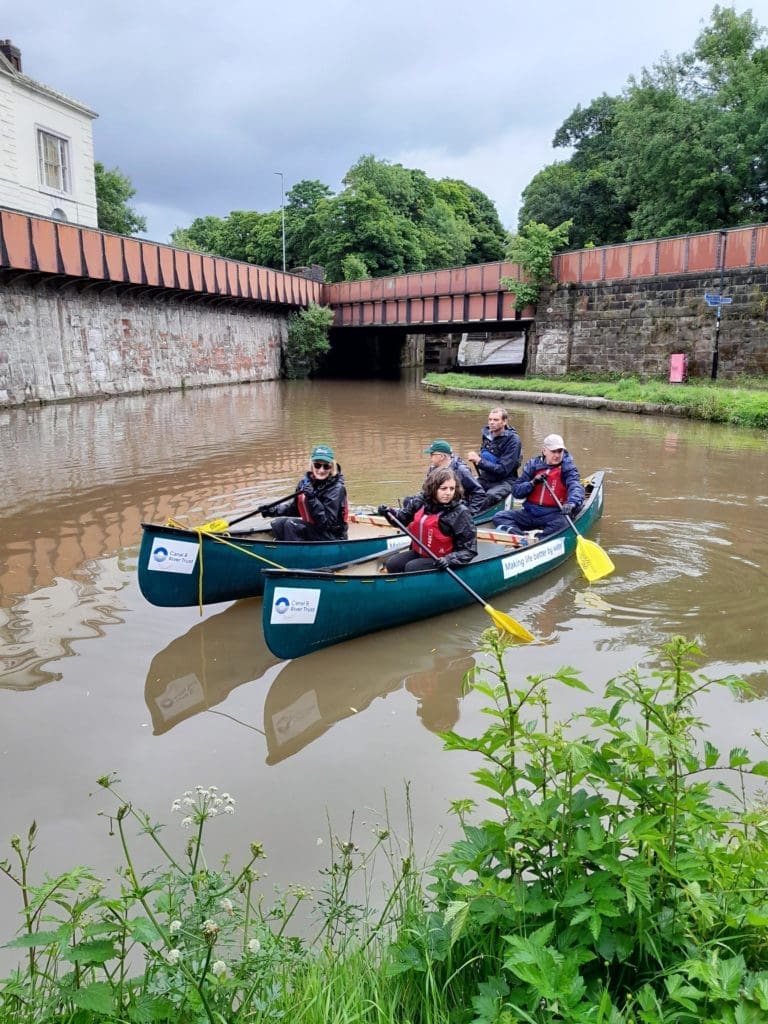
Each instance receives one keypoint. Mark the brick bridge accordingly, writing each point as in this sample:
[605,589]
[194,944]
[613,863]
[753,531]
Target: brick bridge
[84,312]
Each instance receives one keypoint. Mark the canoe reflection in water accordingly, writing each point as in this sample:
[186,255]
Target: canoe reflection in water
[198,671]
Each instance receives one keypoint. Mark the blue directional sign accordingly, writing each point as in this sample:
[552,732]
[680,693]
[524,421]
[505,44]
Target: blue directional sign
[718,300]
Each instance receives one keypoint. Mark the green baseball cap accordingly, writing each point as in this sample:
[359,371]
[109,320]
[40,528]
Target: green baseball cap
[322,453]
[438,446]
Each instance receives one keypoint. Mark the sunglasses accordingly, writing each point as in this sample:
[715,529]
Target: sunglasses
[321,465]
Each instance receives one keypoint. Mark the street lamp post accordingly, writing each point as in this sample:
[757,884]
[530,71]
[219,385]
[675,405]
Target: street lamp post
[282,211]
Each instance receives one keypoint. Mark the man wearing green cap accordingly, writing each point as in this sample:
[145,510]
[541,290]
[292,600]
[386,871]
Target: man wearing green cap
[319,509]
[442,456]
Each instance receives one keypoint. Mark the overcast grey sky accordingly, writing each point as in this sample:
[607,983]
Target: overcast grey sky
[200,103]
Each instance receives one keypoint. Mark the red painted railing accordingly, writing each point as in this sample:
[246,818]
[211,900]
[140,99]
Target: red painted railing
[38,244]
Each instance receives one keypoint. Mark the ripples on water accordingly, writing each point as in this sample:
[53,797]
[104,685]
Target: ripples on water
[170,699]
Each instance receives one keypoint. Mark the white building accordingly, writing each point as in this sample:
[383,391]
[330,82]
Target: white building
[46,147]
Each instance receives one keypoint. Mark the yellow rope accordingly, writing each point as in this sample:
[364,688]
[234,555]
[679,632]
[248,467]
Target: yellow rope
[204,531]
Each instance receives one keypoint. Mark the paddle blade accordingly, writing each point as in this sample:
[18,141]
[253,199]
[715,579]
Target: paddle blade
[508,625]
[215,526]
[594,562]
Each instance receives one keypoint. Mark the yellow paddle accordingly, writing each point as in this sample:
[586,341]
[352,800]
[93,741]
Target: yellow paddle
[594,562]
[502,621]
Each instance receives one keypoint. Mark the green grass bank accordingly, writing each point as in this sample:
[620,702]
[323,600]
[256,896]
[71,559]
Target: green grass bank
[743,403]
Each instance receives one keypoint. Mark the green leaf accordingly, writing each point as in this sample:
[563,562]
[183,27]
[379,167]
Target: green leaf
[143,931]
[97,997]
[738,757]
[760,768]
[711,754]
[35,939]
[90,952]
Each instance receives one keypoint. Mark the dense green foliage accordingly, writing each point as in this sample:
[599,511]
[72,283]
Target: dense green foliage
[113,190]
[387,219]
[683,148]
[532,249]
[307,340]
[744,404]
[621,876]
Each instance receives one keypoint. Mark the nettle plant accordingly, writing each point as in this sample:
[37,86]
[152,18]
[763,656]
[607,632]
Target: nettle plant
[623,876]
[205,942]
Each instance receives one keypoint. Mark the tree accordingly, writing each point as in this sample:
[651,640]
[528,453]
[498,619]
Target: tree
[353,268]
[307,340]
[684,148]
[533,249]
[113,190]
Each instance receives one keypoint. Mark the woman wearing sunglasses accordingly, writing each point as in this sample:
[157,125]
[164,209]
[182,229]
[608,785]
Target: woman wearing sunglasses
[319,509]
[546,479]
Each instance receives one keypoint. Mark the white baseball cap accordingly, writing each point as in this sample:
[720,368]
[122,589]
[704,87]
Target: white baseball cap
[553,442]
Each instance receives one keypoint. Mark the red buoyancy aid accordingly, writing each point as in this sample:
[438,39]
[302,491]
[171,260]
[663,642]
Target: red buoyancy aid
[303,507]
[426,526]
[306,515]
[541,496]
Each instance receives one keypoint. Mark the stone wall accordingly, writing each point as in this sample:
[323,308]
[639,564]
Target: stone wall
[634,327]
[70,342]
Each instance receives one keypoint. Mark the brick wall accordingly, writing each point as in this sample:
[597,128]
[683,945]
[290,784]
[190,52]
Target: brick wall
[634,326]
[58,344]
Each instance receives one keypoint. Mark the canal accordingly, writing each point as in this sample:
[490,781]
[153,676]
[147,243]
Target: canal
[95,680]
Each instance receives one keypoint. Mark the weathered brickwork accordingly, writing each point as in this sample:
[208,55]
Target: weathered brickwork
[634,327]
[68,343]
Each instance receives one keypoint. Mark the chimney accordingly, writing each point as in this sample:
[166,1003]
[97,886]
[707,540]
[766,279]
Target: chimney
[11,52]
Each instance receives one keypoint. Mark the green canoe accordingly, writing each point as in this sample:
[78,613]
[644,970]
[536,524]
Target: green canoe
[304,610]
[172,559]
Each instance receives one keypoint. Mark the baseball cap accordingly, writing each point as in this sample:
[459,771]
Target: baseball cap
[322,453]
[438,446]
[553,442]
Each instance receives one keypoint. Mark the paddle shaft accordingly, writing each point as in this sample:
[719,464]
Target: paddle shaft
[447,568]
[254,512]
[559,505]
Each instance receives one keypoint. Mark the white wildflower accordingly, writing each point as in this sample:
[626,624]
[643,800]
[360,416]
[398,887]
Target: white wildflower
[218,968]
[186,822]
[188,801]
[174,926]
[254,946]
[209,928]
[227,904]
[175,806]
[173,956]
[225,796]
[229,809]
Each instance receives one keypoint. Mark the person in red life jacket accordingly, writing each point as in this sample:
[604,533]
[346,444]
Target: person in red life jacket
[498,460]
[540,510]
[441,521]
[319,510]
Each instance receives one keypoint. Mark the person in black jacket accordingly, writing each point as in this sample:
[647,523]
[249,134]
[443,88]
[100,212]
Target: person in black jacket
[498,460]
[441,521]
[319,509]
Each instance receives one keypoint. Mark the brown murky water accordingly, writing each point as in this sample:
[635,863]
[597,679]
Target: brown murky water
[93,679]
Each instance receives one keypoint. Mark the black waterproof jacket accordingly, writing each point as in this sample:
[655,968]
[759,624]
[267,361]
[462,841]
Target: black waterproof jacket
[326,502]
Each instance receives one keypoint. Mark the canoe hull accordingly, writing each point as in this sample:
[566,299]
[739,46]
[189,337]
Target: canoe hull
[304,611]
[171,559]
[170,563]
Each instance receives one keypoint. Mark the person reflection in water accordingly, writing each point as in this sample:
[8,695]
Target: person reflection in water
[438,692]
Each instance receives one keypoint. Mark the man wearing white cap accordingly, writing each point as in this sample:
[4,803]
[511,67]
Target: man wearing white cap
[540,510]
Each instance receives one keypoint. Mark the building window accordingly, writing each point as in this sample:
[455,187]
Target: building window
[53,160]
